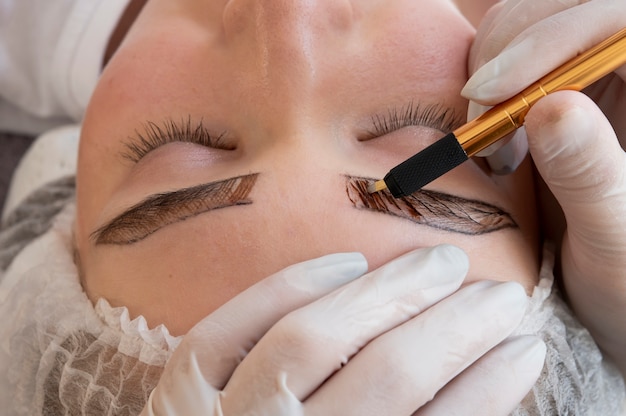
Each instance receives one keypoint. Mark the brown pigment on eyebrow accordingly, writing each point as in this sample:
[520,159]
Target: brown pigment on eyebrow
[164,209]
[431,208]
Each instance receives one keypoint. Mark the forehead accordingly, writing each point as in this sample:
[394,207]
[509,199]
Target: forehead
[264,55]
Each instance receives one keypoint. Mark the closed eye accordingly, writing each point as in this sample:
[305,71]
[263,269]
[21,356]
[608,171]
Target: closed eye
[153,136]
[432,116]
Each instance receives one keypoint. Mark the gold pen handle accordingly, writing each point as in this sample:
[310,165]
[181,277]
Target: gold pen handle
[576,74]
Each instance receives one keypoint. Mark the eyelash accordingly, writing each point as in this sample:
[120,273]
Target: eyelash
[156,135]
[433,116]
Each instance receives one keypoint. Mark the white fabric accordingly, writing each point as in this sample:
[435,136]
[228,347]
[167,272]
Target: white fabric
[52,156]
[51,55]
[576,379]
[50,328]
[59,352]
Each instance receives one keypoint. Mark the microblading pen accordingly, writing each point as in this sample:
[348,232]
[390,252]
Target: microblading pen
[478,134]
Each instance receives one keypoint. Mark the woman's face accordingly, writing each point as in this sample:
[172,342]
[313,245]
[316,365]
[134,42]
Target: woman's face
[240,133]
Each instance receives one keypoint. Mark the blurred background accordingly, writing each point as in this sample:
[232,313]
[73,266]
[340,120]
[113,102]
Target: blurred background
[12,147]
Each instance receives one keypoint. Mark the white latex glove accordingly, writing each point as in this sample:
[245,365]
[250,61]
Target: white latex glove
[575,143]
[294,345]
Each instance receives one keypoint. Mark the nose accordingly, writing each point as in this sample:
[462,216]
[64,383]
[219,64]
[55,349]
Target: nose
[286,28]
[277,14]
[282,51]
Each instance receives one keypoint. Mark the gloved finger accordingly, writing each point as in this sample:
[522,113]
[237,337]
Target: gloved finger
[505,155]
[508,157]
[222,340]
[486,26]
[404,368]
[502,23]
[546,44]
[212,349]
[495,384]
[313,342]
[580,159]
[505,21]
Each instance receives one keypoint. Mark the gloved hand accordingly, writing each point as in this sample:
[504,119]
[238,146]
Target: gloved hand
[574,141]
[302,342]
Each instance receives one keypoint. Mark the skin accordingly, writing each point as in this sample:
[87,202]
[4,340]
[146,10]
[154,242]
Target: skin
[294,87]
[474,10]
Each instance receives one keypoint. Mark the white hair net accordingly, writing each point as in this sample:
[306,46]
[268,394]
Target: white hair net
[576,378]
[61,355]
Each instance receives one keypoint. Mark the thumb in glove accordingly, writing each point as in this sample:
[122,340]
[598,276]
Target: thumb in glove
[579,157]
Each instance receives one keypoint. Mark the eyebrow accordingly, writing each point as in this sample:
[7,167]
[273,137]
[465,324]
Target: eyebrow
[160,210]
[434,209]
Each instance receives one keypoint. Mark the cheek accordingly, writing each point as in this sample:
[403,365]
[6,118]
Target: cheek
[189,269]
[177,276]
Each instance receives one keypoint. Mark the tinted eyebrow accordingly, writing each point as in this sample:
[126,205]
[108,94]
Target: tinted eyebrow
[160,210]
[434,209]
